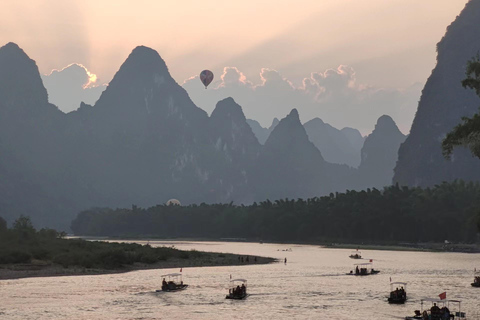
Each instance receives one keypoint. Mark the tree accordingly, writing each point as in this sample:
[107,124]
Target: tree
[24,226]
[466,134]
[3,225]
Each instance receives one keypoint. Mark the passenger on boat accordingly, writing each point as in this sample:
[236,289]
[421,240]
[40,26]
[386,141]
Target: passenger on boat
[244,289]
[357,271]
[445,312]
[164,284]
[434,309]
[425,315]
[238,290]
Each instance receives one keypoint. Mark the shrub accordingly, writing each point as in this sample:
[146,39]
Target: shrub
[15,256]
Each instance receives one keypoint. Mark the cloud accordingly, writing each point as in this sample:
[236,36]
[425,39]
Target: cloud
[335,80]
[333,95]
[71,85]
[233,77]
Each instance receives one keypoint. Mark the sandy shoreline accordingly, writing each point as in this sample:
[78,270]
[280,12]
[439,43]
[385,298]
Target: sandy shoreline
[42,269]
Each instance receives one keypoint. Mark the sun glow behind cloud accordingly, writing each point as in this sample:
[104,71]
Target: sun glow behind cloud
[91,77]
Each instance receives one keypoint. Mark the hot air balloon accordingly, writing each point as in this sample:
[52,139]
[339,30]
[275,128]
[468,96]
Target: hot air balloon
[206,76]
[173,202]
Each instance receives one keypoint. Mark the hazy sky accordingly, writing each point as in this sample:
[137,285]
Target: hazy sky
[388,43]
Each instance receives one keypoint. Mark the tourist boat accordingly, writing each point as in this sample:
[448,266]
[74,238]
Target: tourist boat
[363,269]
[237,289]
[476,279]
[172,282]
[356,255]
[438,310]
[399,295]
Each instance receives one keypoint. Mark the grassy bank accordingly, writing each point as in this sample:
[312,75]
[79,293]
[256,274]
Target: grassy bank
[46,268]
[26,252]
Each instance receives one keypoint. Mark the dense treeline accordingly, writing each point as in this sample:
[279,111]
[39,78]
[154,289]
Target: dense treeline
[23,244]
[447,211]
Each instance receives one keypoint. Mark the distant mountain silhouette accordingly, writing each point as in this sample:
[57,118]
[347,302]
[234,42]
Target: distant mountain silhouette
[151,135]
[334,145]
[142,143]
[290,166]
[380,153]
[32,166]
[442,105]
[355,137]
[260,132]
[238,148]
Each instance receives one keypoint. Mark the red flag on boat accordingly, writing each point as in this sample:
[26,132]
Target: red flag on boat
[443,295]
[371,260]
[181,269]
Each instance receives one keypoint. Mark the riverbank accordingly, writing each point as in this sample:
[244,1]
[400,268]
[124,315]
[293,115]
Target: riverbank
[39,268]
[425,247]
[402,246]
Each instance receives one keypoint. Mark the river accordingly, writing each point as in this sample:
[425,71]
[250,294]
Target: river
[312,285]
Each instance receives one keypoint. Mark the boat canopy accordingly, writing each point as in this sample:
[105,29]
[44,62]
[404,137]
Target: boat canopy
[240,280]
[402,283]
[363,264]
[439,300]
[172,275]
[432,300]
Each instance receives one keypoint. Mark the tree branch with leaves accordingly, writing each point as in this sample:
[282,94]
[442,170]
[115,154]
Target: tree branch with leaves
[467,133]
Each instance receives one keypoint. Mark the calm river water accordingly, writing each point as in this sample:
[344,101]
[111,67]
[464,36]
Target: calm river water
[312,285]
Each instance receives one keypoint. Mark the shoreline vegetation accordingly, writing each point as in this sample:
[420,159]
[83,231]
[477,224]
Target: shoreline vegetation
[395,215]
[40,268]
[26,252]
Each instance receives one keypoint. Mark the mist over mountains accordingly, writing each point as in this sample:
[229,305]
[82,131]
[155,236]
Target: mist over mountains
[144,142]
